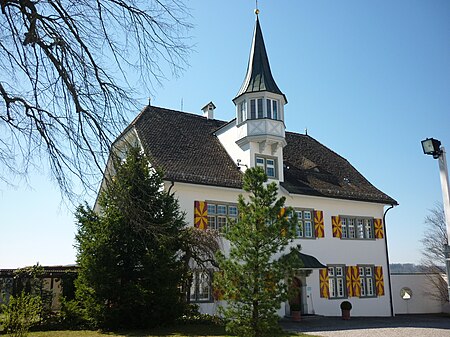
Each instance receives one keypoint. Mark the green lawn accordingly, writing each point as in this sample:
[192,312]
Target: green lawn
[181,331]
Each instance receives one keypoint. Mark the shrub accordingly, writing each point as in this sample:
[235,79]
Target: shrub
[21,313]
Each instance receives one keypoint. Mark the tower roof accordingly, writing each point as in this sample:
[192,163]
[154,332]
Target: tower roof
[259,77]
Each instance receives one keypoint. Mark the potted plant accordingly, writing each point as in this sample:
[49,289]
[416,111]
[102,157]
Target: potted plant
[346,306]
[295,311]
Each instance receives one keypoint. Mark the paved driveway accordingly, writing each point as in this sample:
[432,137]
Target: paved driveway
[399,326]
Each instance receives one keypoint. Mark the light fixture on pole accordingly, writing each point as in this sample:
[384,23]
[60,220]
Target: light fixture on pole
[433,147]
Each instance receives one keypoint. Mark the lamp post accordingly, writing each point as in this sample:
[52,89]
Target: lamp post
[433,147]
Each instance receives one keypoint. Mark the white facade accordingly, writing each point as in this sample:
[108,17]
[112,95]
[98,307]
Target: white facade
[328,250]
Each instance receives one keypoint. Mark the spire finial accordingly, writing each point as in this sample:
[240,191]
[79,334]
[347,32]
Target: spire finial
[256,9]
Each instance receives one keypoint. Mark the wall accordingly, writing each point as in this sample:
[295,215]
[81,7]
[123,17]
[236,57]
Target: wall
[421,301]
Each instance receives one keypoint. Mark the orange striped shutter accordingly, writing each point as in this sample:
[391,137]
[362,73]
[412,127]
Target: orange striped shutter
[356,283]
[378,226]
[318,224]
[324,285]
[379,280]
[337,226]
[349,280]
[201,214]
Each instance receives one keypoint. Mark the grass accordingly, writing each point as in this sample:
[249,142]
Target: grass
[178,331]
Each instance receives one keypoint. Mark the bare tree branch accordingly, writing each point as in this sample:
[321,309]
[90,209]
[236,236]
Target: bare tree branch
[433,257]
[66,74]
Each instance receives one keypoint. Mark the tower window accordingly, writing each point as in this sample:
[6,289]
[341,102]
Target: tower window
[260,108]
[272,108]
[242,112]
[268,165]
[256,108]
[252,109]
[275,109]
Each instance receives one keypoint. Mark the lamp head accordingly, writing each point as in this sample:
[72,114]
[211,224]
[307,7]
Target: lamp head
[432,147]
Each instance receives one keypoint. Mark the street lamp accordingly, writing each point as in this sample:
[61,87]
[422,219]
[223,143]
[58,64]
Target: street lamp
[433,147]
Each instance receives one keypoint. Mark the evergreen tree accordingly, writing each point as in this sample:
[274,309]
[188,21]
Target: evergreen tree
[257,271]
[128,252]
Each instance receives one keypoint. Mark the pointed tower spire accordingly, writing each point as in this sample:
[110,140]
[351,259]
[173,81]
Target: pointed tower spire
[259,76]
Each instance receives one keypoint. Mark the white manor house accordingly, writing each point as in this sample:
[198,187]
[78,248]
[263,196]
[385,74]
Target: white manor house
[341,228]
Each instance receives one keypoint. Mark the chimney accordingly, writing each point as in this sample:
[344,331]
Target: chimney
[208,110]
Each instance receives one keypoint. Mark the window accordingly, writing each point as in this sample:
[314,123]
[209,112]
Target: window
[219,213]
[366,278]
[305,224]
[268,165]
[201,286]
[242,112]
[357,228]
[336,279]
[271,109]
[275,109]
[252,109]
[256,108]
[260,108]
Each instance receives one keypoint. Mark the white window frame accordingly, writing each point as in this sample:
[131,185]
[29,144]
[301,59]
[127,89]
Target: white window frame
[263,164]
[259,110]
[367,280]
[242,111]
[337,281]
[218,220]
[270,103]
[357,228]
[305,225]
[201,291]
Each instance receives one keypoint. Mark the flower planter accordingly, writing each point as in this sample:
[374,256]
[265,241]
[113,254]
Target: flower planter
[296,316]
[345,314]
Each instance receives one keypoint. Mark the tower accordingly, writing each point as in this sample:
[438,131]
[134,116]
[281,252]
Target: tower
[260,112]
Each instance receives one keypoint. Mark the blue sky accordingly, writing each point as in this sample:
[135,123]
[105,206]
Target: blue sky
[368,79]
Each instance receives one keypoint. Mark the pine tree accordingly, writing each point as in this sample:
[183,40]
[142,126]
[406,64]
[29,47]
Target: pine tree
[256,273]
[128,252]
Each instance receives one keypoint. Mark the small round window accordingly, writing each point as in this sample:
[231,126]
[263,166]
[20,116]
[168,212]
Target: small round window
[406,293]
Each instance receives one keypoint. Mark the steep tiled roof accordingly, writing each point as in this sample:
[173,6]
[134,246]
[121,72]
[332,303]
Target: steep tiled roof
[258,77]
[313,169]
[185,147]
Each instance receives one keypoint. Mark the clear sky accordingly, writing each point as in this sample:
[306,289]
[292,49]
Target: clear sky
[368,79]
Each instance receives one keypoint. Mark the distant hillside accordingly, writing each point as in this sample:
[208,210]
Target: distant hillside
[411,268]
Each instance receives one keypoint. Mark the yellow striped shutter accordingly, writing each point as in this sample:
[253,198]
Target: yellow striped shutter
[201,214]
[349,280]
[378,226]
[379,280]
[337,226]
[318,224]
[324,285]
[356,281]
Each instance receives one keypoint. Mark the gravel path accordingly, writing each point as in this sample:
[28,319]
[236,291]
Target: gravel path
[399,326]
